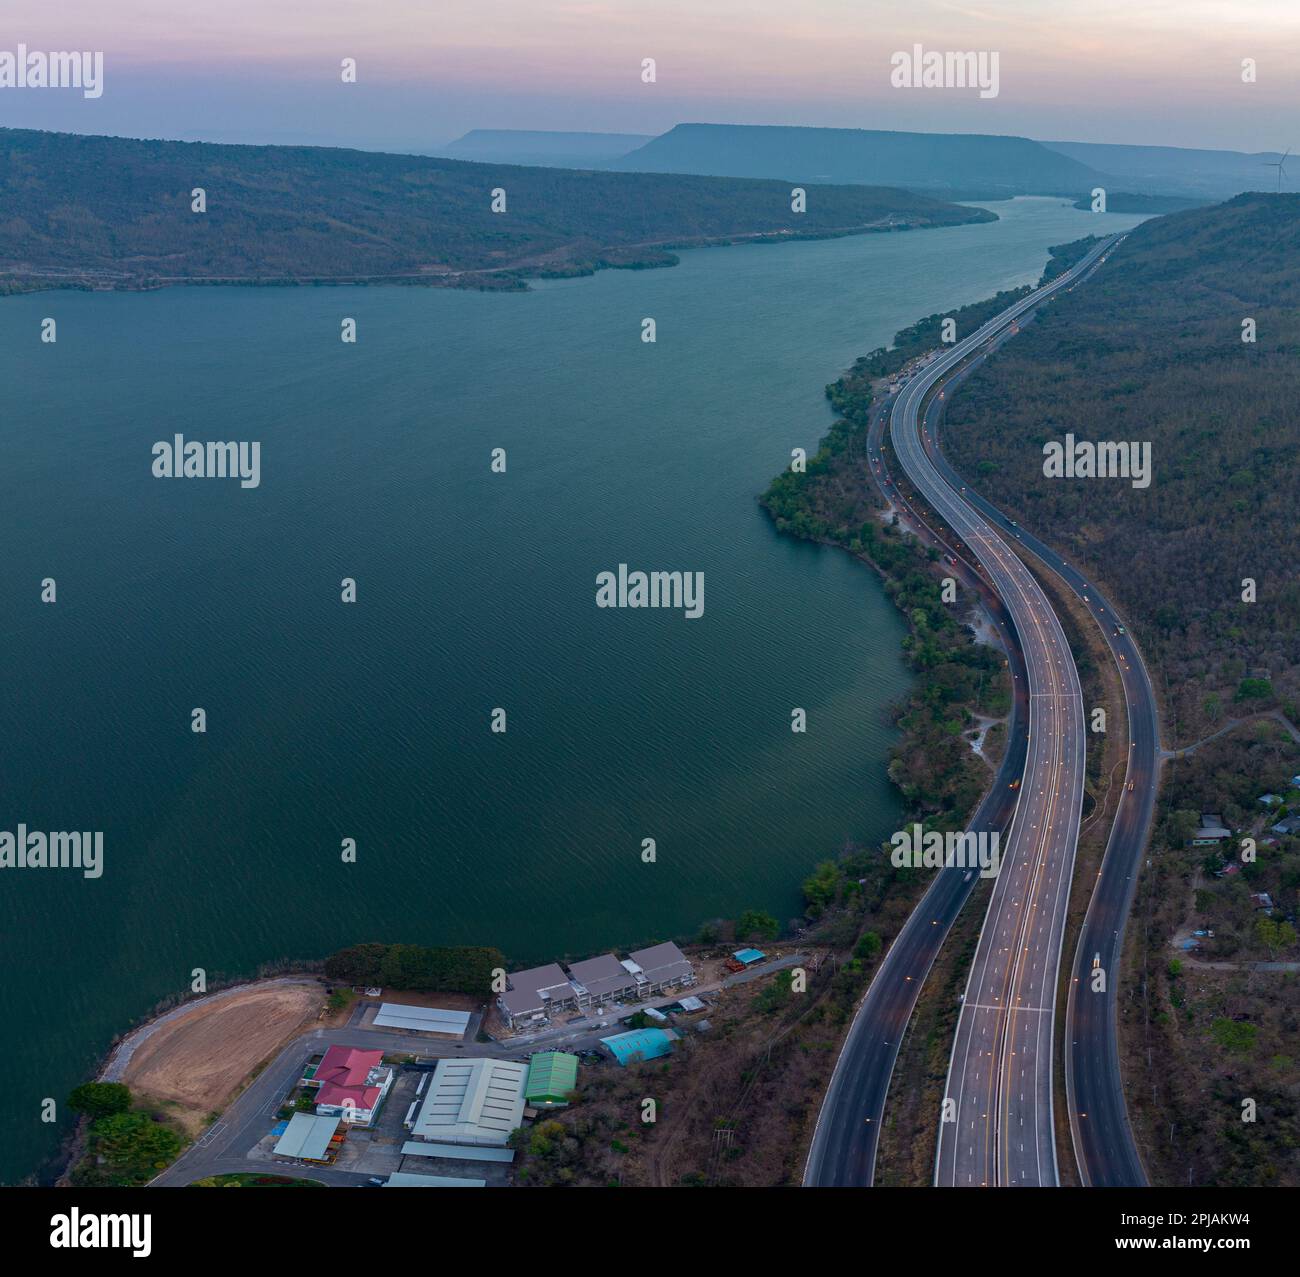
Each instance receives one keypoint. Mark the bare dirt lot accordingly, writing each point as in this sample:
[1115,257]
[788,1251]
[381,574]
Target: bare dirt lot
[194,1063]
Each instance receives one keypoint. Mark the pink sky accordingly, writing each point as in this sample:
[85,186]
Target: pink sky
[1154,71]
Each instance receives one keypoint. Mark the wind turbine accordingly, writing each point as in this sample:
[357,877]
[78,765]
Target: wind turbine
[1278,164]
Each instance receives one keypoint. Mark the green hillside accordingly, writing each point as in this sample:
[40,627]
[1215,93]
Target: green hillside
[117,212]
[1151,349]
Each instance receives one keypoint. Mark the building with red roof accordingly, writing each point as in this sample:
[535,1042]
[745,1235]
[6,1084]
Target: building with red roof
[351,1083]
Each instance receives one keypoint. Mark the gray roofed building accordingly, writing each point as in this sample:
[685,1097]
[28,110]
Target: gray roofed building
[602,979]
[307,1137]
[661,966]
[1212,830]
[398,1015]
[536,994]
[473,1102]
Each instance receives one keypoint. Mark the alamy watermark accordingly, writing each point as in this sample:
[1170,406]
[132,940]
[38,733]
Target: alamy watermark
[1082,459]
[682,590]
[957,849]
[34,849]
[931,69]
[20,69]
[93,1230]
[177,459]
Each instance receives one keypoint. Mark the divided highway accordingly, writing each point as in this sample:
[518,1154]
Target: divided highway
[998,1124]
[1104,1148]
[1001,1074]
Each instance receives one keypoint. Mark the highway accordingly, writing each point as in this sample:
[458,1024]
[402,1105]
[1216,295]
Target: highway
[1104,1148]
[997,1126]
[1001,1074]
[843,1147]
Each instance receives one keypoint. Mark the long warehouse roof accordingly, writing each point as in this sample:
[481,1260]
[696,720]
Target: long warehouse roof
[397,1015]
[473,1102]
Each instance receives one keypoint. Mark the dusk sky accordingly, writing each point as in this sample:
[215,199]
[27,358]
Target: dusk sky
[1164,72]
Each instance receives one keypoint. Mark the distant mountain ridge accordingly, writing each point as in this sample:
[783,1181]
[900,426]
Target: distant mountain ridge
[542,148]
[956,165]
[940,163]
[1175,170]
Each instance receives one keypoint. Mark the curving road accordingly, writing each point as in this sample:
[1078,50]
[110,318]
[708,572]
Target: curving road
[997,1126]
[1000,1082]
[1005,1133]
[1104,1147]
[1000,1078]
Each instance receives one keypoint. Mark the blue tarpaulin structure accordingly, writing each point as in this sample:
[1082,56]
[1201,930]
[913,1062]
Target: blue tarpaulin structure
[748,955]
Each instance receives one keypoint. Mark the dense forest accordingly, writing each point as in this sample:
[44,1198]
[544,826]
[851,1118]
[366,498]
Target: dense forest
[1152,349]
[120,212]
[453,969]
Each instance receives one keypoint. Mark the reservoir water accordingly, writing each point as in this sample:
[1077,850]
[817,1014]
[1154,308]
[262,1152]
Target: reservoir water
[475,591]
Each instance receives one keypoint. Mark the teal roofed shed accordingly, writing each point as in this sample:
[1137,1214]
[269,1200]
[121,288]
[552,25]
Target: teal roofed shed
[640,1044]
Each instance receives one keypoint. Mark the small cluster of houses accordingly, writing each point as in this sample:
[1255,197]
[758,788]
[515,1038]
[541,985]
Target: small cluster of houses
[533,997]
[464,1109]
[1212,830]
[1288,826]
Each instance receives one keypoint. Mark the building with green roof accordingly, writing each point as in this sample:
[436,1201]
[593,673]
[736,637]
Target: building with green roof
[552,1077]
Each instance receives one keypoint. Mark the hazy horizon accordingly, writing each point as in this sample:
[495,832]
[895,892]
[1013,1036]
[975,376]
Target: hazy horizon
[1150,72]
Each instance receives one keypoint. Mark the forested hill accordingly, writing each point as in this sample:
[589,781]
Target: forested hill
[1151,349]
[117,211]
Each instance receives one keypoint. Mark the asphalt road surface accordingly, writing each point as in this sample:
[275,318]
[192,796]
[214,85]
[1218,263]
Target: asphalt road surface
[1103,1142]
[997,1125]
[1001,1076]
[1002,1053]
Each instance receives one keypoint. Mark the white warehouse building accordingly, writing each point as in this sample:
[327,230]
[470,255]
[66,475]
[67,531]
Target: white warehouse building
[473,1102]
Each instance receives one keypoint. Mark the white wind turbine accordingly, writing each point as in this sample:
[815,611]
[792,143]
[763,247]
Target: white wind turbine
[1279,165]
